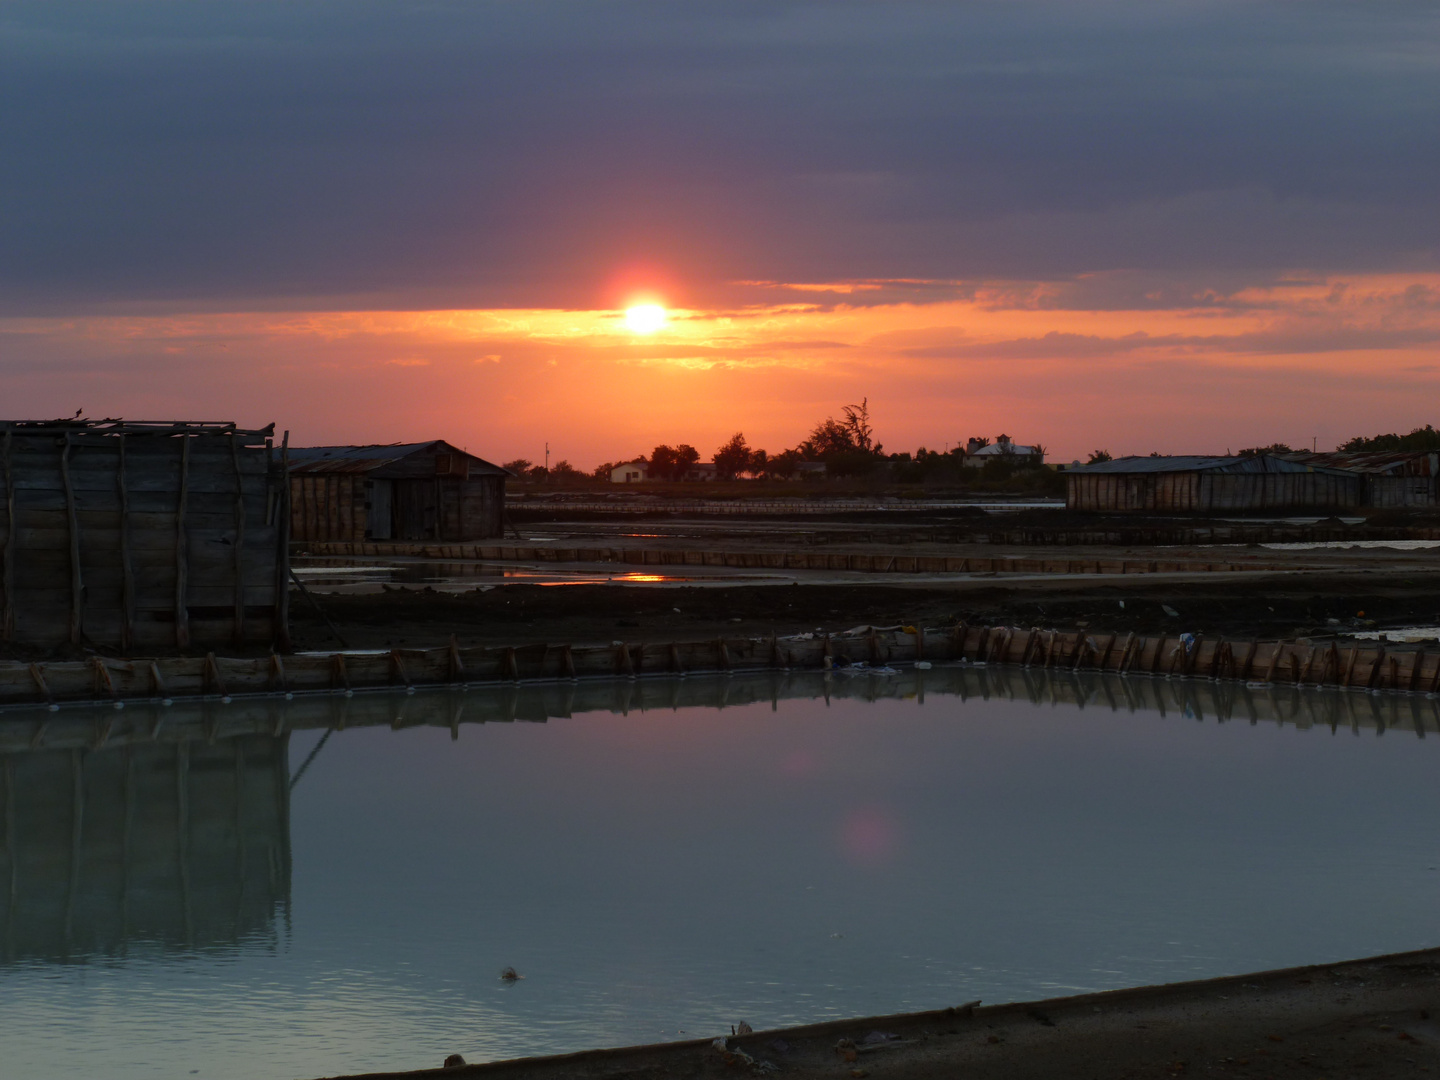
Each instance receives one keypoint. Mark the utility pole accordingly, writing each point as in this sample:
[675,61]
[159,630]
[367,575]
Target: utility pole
[547,458]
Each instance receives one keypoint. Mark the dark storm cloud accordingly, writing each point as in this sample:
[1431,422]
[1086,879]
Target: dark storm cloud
[536,153]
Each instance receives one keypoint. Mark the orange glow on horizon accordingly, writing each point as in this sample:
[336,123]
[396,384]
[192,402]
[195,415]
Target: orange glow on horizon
[1296,359]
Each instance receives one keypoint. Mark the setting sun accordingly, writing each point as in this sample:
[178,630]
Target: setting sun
[645,318]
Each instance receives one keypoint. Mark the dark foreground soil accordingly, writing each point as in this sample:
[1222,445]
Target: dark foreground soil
[1370,1018]
[1286,605]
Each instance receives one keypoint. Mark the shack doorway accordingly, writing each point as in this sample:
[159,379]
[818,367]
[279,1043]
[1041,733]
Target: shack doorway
[380,519]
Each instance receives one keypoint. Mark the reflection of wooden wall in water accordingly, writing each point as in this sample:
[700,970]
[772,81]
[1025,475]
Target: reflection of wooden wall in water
[1204,699]
[172,845]
[139,536]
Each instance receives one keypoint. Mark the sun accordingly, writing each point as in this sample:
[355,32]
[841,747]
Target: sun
[645,318]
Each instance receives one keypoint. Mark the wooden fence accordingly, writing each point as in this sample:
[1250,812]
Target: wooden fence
[1267,662]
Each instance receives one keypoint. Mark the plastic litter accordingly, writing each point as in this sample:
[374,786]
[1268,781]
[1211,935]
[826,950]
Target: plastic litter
[923,665]
[1188,641]
[1169,611]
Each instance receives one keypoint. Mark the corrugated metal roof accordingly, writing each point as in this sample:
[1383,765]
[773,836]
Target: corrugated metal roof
[1262,463]
[364,459]
[1385,462]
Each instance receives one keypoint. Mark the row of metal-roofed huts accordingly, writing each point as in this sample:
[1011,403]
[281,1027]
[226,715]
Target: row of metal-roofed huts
[143,536]
[1263,482]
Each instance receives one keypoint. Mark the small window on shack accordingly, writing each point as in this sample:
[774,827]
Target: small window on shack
[452,465]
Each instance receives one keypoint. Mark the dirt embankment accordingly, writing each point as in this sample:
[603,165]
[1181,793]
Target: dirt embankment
[1265,606]
[1369,1018]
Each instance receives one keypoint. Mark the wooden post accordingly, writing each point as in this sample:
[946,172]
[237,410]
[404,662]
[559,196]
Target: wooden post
[1350,665]
[723,654]
[1159,655]
[1374,679]
[675,658]
[962,630]
[567,661]
[7,624]
[239,634]
[212,674]
[1127,654]
[397,664]
[623,664]
[1104,657]
[39,677]
[919,642]
[281,610]
[1274,662]
[182,552]
[72,519]
[1249,658]
[1415,670]
[127,563]
[457,669]
[157,681]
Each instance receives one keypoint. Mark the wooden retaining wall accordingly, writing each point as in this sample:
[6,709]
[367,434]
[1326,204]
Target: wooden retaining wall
[864,562]
[1272,662]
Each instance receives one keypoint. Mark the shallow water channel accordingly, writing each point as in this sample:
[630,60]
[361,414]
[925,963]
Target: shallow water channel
[208,890]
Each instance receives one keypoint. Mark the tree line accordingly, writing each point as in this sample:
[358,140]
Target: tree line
[845,445]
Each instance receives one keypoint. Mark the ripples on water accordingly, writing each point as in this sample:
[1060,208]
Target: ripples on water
[663,858]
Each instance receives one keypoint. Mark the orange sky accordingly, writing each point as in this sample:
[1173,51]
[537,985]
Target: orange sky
[1058,363]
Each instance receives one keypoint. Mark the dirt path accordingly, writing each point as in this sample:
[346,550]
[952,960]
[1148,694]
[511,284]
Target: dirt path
[1285,605]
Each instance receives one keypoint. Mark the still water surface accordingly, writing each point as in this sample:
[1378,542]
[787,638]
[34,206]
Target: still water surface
[660,873]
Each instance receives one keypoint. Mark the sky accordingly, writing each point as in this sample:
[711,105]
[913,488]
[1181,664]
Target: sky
[1185,227]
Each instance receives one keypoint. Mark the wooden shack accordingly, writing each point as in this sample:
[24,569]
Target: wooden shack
[403,491]
[1393,479]
[140,536]
[1262,483]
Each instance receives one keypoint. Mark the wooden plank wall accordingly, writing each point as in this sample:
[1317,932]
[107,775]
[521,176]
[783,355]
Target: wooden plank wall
[331,507]
[327,506]
[1356,666]
[140,541]
[1197,492]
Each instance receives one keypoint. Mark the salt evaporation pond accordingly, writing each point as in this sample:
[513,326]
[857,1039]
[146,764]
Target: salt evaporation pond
[659,867]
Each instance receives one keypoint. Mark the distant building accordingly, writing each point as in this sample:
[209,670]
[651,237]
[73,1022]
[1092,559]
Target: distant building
[977,455]
[630,472]
[1211,484]
[402,491]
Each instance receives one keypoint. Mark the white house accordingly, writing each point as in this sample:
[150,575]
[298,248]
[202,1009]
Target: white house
[977,455]
[628,472]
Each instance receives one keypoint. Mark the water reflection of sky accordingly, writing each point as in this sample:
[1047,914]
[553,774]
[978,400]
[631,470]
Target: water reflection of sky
[669,872]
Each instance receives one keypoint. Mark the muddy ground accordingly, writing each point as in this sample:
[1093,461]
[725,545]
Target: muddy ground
[1371,1018]
[1285,605]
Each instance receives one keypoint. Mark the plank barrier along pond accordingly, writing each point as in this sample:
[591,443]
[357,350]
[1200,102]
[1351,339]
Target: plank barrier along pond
[102,679]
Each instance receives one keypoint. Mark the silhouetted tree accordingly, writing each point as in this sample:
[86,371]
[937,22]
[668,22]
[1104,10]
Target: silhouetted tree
[1420,439]
[1098,456]
[734,457]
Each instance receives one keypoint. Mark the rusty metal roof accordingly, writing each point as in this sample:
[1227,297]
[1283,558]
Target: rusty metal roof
[1384,462]
[365,459]
[1261,463]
